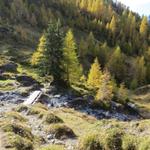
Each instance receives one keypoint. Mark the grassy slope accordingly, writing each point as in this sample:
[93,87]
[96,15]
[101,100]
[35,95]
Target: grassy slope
[143,103]
[80,124]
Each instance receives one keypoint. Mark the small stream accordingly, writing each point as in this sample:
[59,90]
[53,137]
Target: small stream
[58,101]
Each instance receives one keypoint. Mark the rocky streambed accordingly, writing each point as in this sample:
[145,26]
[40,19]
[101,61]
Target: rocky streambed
[65,100]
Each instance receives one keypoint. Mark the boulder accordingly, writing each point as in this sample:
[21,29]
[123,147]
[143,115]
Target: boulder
[27,81]
[9,67]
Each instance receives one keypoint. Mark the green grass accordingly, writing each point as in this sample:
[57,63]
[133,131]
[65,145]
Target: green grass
[40,112]
[18,128]
[61,131]
[7,85]
[52,147]
[17,142]
[92,134]
[90,141]
[51,118]
[15,116]
[130,142]
[143,103]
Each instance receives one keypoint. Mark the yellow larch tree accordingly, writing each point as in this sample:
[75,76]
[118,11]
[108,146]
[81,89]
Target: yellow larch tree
[39,53]
[95,74]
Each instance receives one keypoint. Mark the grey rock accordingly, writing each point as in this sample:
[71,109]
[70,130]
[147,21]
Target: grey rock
[9,67]
[25,80]
[50,136]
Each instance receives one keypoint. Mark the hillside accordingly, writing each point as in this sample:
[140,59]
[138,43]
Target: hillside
[90,60]
[105,26]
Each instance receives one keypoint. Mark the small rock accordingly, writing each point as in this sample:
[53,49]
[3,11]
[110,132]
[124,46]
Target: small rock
[9,67]
[53,141]
[57,142]
[70,147]
[57,96]
[50,136]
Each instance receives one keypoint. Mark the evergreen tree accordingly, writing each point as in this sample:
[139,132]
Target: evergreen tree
[91,43]
[116,65]
[140,70]
[71,64]
[95,74]
[49,53]
[54,53]
[82,49]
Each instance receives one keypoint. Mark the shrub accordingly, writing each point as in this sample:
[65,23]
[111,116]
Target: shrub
[21,108]
[129,142]
[39,105]
[15,116]
[18,142]
[90,142]
[113,139]
[60,131]
[51,118]
[17,128]
[36,111]
[145,144]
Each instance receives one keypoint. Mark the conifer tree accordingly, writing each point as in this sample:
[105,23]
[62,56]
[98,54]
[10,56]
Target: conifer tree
[54,53]
[113,29]
[91,43]
[38,55]
[49,53]
[144,27]
[82,48]
[71,64]
[122,94]
[113,25]
[95,74]
[105,89]
[116,65]
[140,73]
[83,4]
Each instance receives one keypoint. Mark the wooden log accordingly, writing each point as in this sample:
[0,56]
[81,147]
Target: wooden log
[33,98]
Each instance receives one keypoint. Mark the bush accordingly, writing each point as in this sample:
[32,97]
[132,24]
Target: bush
[51,118]
[106,105]
[37,111]
[18,142]
[113,139]
[17,128]
[22,108]
[145,144]
[129,142]
[90,142]
[60,131]
[39,105]
[15,116]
